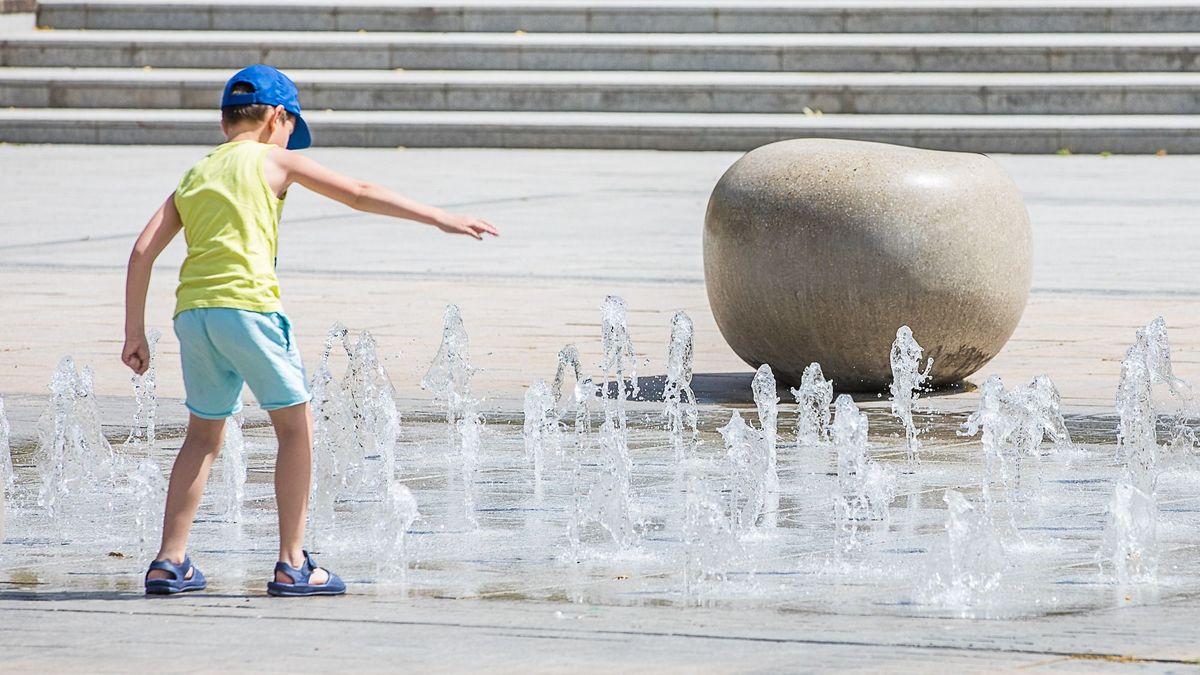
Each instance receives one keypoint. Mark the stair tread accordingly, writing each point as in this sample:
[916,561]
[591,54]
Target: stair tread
[624,78]
[914,41]
[1140,5]
[641,119]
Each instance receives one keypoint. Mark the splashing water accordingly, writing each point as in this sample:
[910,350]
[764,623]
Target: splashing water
[748,469]
[1146,363]
[540,428]
[864,487]
[356,426]
[1131,536]
[1036,411]
[971,561]
[710,539]
[620,362]
[1015,424]
[333,442]
[766,400]
[1130,548]
[449,378]
[232,493]
[813,400]
[907,381]
[704,530]
[469,429]
[1046,418]
[141,432]
[679,400]
[8,479]
[149,489]
[73,458]
[371,405]
[568,357]
[398,511]
[609,502]
[584,390]
[997,428]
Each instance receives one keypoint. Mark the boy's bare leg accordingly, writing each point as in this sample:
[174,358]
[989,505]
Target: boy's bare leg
[293,476]
[188,476]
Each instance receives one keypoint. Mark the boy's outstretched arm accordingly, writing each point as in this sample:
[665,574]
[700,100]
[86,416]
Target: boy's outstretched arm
[372,198]
[159,232]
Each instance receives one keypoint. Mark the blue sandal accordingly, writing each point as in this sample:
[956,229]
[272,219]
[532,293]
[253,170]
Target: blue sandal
[300,577]
[180,583]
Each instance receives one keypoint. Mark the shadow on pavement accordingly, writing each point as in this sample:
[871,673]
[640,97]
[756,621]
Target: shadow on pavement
[735,389]
[66,596]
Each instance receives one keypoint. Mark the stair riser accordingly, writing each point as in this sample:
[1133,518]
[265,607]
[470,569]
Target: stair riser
[610,137]
[913,100]
[599,19]
[233,55]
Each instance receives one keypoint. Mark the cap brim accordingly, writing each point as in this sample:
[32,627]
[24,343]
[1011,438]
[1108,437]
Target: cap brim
[301,137]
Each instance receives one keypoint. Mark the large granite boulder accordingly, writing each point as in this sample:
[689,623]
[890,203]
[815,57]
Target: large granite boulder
[818,250]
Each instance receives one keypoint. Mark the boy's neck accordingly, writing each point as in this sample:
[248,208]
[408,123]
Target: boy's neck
[259,134]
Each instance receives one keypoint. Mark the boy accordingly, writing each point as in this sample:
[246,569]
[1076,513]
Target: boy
[228,315]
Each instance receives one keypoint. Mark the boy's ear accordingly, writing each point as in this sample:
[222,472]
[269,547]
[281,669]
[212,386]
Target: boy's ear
[278,115]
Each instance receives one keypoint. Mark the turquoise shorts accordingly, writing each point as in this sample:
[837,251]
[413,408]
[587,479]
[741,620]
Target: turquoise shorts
[222,348]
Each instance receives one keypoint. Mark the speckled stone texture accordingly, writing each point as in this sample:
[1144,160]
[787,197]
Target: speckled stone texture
[12,6]
[819,249]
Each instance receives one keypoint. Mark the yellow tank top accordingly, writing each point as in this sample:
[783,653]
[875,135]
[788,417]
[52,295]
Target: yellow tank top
[231,224]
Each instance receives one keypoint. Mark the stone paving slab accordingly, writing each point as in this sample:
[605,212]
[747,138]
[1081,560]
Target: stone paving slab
[44,630]
[1112,252]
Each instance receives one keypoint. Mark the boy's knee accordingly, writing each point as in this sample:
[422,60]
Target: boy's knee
[206,435]
[291,420]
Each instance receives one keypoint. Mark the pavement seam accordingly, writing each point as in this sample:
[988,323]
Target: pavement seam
[969,648]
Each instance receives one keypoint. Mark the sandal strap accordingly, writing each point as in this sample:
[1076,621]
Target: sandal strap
[298,575]
[178,571]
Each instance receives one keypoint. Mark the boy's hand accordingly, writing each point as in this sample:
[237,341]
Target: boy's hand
[453,223]
[136,354]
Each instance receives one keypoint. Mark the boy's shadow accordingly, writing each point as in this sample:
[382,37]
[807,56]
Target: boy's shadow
[67,596]
[64,596]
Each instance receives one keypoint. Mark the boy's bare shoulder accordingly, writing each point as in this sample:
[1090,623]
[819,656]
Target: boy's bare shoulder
[289,159]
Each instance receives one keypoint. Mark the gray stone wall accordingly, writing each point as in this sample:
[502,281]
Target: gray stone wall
[11,6]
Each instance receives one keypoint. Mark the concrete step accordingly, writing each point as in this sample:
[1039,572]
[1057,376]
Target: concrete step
[634,16]
[628,91]
[658,131]
[1034,52]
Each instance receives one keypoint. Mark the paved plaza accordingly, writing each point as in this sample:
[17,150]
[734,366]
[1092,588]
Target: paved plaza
[1115,246]
[1112,250]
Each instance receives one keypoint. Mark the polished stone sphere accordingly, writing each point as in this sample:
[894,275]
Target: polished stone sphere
[817,250]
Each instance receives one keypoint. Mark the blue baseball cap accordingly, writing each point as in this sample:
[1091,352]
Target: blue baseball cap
[271,87]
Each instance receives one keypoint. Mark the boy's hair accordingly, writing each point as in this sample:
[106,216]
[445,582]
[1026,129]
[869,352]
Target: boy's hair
[253,112]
